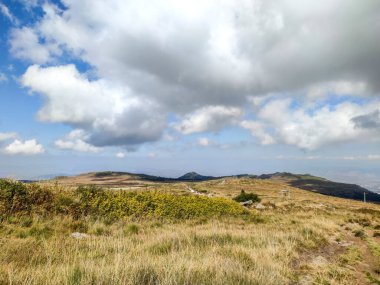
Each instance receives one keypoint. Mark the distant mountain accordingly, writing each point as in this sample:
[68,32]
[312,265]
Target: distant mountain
[324,186]
[342,190]
[193,176]
[303,181]
[290,176]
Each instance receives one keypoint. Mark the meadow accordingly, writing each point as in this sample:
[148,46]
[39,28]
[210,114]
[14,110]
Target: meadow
[163,234]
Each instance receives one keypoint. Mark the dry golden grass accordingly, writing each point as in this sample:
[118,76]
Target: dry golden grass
[293,241]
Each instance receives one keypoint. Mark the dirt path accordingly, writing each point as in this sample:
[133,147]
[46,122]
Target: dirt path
[193,191]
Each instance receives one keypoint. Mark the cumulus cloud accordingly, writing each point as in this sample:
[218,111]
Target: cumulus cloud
[111,115]
[257,129]
[220,48]
[75,140]
[340,88]
[312,128]
[28,147]
[368,121]
[201,60]
[7,136]
[210,118]
[25,44]
[5,11]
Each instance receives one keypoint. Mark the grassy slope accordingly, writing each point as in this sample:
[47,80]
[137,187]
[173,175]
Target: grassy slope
[303,181]
[307,239]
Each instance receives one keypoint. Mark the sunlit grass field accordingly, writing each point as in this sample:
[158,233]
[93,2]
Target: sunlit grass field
[162,234]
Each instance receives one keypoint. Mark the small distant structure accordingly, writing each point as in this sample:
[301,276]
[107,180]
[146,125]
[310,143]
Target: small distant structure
[285,193]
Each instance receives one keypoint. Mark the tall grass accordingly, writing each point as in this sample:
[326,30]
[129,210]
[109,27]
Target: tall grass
[159,237]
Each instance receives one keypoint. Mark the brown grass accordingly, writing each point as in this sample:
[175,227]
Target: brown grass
[294,241]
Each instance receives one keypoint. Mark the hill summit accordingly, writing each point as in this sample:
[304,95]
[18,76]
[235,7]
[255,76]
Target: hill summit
[194,176]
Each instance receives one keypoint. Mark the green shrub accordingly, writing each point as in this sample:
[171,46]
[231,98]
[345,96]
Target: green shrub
[78,226]
[132,229]
[40,231]
[17,198]
[65,204]
[114,205]
[359,233]
[243,197]
[100,231]
[76,276]
[26,221]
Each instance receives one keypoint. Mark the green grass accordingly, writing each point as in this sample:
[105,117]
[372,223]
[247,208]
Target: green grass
[18,199]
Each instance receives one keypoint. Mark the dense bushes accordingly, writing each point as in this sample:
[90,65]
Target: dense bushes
[118,204]
[26,199]
[243,197]
[22,199]
[19,199]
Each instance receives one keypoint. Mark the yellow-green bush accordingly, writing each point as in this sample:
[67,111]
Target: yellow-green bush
[119,204]
[18,199]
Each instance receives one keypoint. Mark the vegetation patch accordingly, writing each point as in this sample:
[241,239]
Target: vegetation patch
[18,200]
[148,204]
[243,197]
[359,233]
[351,256]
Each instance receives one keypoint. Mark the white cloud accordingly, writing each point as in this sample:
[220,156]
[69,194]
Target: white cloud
[321,91]
[7,136]
[258,130]
[204,142]
[219,48]
[111,115]
[121,155]
[210,118]
[25,44]
[75,140]
[373,156]
[201,60]
[29,4]
[28,147]
[312,128]
[3,77]
[5,11]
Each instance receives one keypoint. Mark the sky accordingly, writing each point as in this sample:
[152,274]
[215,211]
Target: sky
[166,86]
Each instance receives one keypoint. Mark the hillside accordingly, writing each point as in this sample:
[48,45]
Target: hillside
[166,234]
[324,186]
[193,176]
[303,181]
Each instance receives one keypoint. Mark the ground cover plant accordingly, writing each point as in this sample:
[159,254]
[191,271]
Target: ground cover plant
[166,235]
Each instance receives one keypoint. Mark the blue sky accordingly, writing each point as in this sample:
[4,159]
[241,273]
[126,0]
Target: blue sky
[176,86]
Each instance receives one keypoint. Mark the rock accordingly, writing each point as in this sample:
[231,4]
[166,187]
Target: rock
[345,243]
[246,203]
[79,235]
[319,261]
[260,207]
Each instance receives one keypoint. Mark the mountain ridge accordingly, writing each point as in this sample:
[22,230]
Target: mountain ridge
[306,182]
